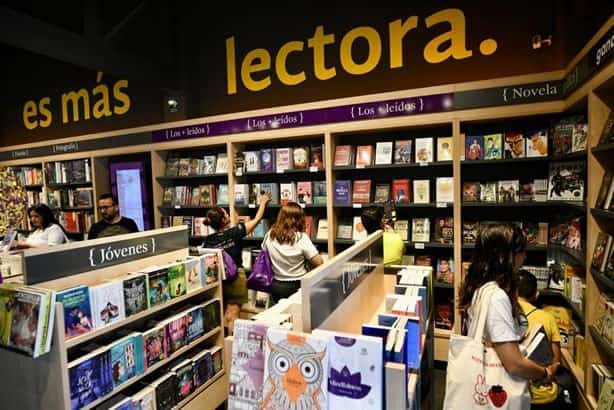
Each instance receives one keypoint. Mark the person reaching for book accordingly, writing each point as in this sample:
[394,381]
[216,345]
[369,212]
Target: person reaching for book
[291,250]
[544,395]
[228,237]
[46,230]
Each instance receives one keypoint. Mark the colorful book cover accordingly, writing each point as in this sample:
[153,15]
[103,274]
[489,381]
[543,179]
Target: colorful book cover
[364,156]
[445,270]
[176,280]
[184,379]
[488,192]
[526,191]
[211,314]
[209,164]
[537,143]
[196,324]
[283,159]
[444,149]
[267,160]
[317,156]
[319,192]
[300,156]
[7,300]
[217,359]
[252,161]
[77,310]
[193,274]
[136,296]
[107,301]
[166,392]
[566,181]
[343,192]
[295,371]
[89,378]
[400,191]
[209,268]
[361,191]
[158,286]
[508,191]
[27,310]
[358,229]
[154,346]
[444,229]
[303,192]
[126,358]
[513,145]
[424,149]
[471,191]
[343,155]
[474,147]
[402,151]
[203,367]
[493,146]
[579,136]
[176,333]
[247,368]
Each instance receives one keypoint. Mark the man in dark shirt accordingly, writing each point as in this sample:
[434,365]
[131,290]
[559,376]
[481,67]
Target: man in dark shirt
[112,222]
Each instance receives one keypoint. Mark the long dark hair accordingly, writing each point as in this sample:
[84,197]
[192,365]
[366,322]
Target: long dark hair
[290,221]
[46,214]
[493,260]
[215,218]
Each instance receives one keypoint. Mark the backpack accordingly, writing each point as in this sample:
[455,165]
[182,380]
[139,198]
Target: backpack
[230,267]
[261,278]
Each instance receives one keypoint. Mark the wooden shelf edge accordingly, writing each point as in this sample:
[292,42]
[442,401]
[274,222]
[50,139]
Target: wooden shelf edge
[393,166]
[603,280]
[602,148]
[601,344]
[442,333]
[153,368]
[200,390]
[77,340]
[577,372]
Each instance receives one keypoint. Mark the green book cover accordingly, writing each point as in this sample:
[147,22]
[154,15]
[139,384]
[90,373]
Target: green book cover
[606,398]
[176,280]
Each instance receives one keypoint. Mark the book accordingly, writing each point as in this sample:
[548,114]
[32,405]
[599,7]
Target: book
[444,189]
[344,229]
[513,142]
[154,345]
[267,160]
[136,296]
[184,379]
[401,227]
[203,367]
[444,148]
[424,149]
[125,404]
[358,230]
[177,280]
[89,378]
[470,231]
[604,191]
[166,392]
[343,155]
[303,193]
[193,274]
[77,311]
[316,156]
[287,192]
[566,181]
[508,191]
[474,148]
[444,316]
[172,166]
[247,370]
[252,161]
[107,302]
[222,194]
[420,230]
[241,194]
[382,193]
[526,191]
[445,270]
[300,156]
[364,156]
[488,192]
[444,229]
[221,165]
[284,349]
[126,358]
[158,286]
[540,190]
[400,191]
[211,314]
[176,331]
[562,136]
[403,151]
[537,143]
[343,192]
[209,268]
[601,252]
[538,347]
[319,192]
[184,167]
[193,170]
[209,162]
[361,191]
[606,396]
[322,233]
[579,136]
[273,189]
[471,191]
[493,146]
[422,194]
[217,360]
[383,153]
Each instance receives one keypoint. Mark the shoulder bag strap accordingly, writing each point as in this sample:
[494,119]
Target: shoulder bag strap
[481,302]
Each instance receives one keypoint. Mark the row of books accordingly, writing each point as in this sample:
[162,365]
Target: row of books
[536,232]
[360,191]
[73,198]
[189,166]
[418,150]
[506,191]
[91,307]
[606,192]
[28,175]
[76,221]
[201,195]
[27,315]
[104,368]
[603,382]
[302,192]
[178,382]
[605,318]
[280,159]
[567,232]
[68,172]
[33,198]
[443,229]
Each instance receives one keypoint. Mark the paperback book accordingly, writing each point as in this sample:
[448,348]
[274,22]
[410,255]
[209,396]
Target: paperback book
[126,358]
[474,148]
[383,153]
[177,280]
[493,146]
[422,191]
[444,149]
[424,149]
[77,311]
[107,302]
[514,145]
[89,378]
[537,143]
[566,181]
[136,297]
[403,151]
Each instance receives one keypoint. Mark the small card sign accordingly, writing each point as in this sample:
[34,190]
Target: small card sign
[357,205]
[280,171]
[314,169]
[251,206]
[419,245]
[442,204]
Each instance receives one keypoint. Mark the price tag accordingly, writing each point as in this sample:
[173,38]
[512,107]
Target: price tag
[280,171]
[302,206]
[424,164]
[251,206]
[239,173]
[419,245]
[360,166]
[357,205]
[177,206]
[314,169]
[442,204]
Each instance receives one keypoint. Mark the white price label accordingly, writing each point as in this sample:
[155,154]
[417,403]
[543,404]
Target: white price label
[442,204]
[177,206]
[419,245]
[251,205]
[360,166]
[357,205]
[239,173]
[424,164]
[280,171]
[314,169]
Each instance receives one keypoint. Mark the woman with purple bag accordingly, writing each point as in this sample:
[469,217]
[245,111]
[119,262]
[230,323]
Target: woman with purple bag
[291,251]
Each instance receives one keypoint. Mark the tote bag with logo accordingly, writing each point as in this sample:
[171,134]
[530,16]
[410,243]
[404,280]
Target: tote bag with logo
[476,378]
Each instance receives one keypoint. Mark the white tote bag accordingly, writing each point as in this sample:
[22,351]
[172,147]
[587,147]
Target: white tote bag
[476,378]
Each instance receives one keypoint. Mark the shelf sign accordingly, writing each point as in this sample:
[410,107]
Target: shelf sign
[442,204]
[419,245]
[81,257]
[356,205]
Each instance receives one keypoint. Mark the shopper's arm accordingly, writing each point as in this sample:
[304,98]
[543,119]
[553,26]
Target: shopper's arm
[518,365]
[251,225]
[556,352]
[316,261]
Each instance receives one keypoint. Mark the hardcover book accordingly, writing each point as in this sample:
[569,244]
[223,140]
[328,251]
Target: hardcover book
[193,166]
[471,191]
[400,191]
[488,191]
[107,301]
[444,229]
[420,230]
[184,167]
[176,280]
[89,378]
[514,145]
[242,194]
[422,191]
[579,136]
[267,159]
[383,153]
[361,192]
[364,156]
[193,273]
[136,296]
[444,316]
[273,189]
[444,187]
[283,159]
[322,233]
[303,192]
[424,149]
[382,193]
[402,151]
[172,166]
[444,149]
[196,324]
[493,146]
[211,315]
[176,330]
[401,227]
[344,229]
[562,138]
[474,148]
[252,161]
[126,358]
[537,143]
[158,286]
[317,156]
[343,192]
[319,192]
[184,378]
[300,157]
[287,191]
[221,166]
[77,311]
[566,181]
[209,164]
[470,231]
[508,191]
[343,155]
[209,267]
[445,270]
[526,191]
[154,345]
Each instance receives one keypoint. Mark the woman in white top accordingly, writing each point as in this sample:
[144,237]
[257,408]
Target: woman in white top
[499,252]
[290,249]
[46,229]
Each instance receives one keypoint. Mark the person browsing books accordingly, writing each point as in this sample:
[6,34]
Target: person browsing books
[543,395]
[112,223]
[372,219]
[499,251]
[228,237]
[291,250]
[46,230]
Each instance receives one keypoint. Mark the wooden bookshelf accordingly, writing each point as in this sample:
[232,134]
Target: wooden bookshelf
[576,371]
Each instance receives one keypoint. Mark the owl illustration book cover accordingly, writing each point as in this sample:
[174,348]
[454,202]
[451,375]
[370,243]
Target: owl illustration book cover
[295,371]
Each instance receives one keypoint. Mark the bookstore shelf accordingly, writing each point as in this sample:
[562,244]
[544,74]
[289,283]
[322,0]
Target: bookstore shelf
[530,248]
[75,341]
[187,208]
[199,390]
[69,185]
[576,371]
[579,205]
[68,208]
[424,245]
[189,178]
[606,283]
[269,205]
[389,166]
[602,213]
[603,148]
[398,206]
[570,156]
[36,186]
[578,257]
[154,368]
[578,313]
[602,345]
[306,171]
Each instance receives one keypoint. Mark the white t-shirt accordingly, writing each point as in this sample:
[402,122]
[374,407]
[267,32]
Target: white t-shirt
[288,261]
[51,235]
[500,323]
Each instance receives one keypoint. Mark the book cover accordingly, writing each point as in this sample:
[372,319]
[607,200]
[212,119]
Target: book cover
[222,194]
[608,128]
[474,148]
[195,197]
[77,310]
[424,149]
[343,155]
[184,378]
[488,191]
[382,193]
[309,226]
[136,296]
[247,369]
[23,319]
[316,156]
[601,251]
[267,160]
[303,192]
[514,145]
[176,280]
[319,192]
[422,191]
[283,159]
[211,314]
[401,227]
[361,191]
[209,267]
[566,181]
[444,229]
[176,331]
[209,164]
[606,398]
[287,192]
[604,191]
[322,233]
[383,153]
[420,230]
[537,143]
[286,353]
[402,151]
[444,316]
[444,149]
[242,194]
[217,359]
[184,167]
[470,231]
[471,191]
[579,136]
[343,192]
[126,358]
[538,349]
[203,367]
[493,146]
[526,191]
[445,270]
[508,191]
[273,189]
[193,274]
[158,286]
[364,156]
[344,229]
[400,191]
[107,301]
[89,378]
[252,161]
[193,170]
[195,323]
[300,156]
[444,189]
[358,230]
[154,345]
[172,166]
[166,392]
[221,165]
